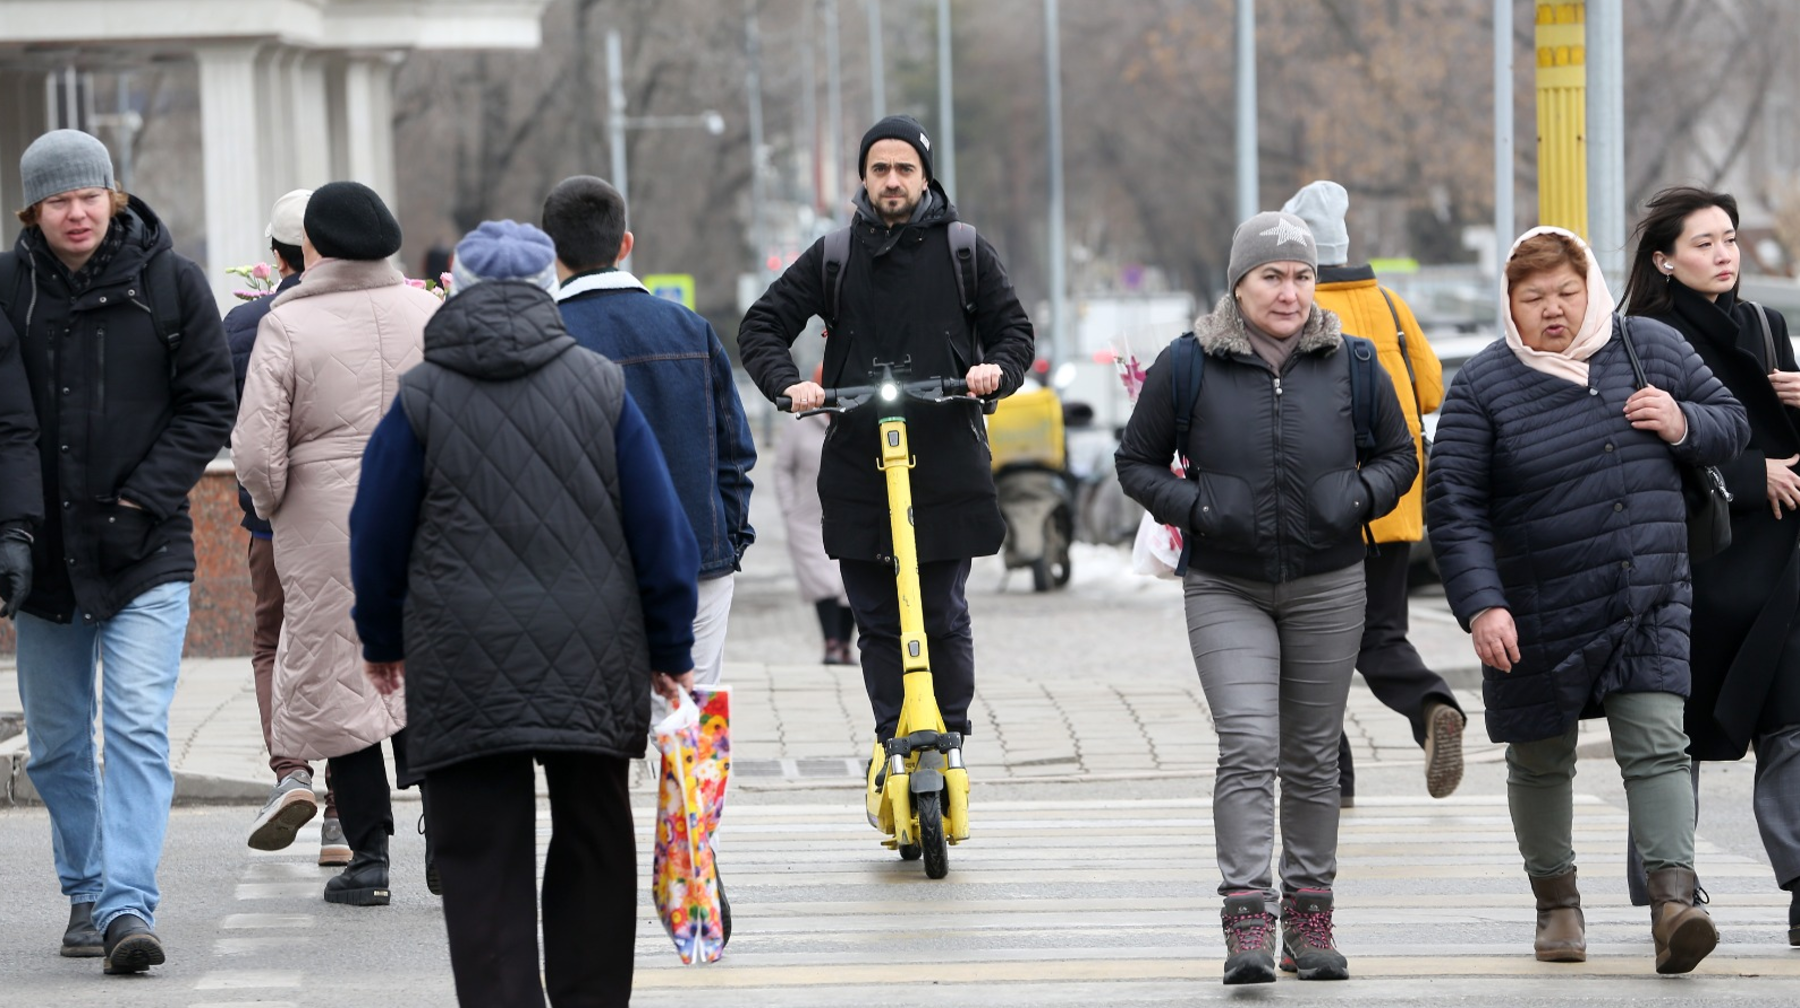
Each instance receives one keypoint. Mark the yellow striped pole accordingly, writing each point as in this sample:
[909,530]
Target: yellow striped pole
[1562,115]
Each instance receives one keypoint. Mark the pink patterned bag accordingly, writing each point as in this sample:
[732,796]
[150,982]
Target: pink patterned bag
[695,741]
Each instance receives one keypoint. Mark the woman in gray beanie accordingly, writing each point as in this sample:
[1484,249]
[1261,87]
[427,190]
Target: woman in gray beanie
[1273,508]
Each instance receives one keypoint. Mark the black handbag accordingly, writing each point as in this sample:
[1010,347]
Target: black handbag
[1702,486]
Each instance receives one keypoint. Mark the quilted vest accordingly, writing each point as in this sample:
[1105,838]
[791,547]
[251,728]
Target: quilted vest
[524,629]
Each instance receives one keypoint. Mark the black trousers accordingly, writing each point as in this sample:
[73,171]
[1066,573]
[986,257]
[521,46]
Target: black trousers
[483,814]
[948,635]
[360,784]
[1388,661]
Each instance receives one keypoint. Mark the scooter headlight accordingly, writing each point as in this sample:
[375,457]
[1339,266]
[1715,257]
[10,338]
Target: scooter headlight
[889,392]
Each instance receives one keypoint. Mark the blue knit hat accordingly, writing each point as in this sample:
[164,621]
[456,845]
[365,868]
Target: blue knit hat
[504,250]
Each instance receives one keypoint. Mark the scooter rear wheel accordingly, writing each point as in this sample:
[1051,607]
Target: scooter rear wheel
[910,851]
[931,834]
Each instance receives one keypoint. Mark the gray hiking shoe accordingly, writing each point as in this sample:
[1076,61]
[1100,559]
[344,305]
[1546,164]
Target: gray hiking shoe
[291,805]
[1249,939]
[334,850]
[1307,946]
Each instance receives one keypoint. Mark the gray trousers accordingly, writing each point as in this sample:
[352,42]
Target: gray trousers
[1651,750]
[1275,662]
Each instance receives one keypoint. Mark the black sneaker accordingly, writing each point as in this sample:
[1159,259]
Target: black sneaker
[131,947]
[1307,948]
[1249,939]
[82,940]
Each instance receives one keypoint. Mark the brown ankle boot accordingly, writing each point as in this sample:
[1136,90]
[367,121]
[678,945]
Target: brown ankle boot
[1561,929]
[1684,932]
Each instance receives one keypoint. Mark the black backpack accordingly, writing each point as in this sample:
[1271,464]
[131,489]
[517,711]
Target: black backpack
[1187,363]
[158,276]
[962,253]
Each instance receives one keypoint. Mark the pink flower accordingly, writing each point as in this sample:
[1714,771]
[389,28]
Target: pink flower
[444,280]
[261,271]
[415,283]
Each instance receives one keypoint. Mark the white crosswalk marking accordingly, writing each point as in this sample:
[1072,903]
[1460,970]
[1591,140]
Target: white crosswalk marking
[1050,898]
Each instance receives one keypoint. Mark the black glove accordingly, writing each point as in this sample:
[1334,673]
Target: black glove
[15,569]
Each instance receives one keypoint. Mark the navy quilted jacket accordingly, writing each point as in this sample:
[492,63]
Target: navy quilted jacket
[1542,498]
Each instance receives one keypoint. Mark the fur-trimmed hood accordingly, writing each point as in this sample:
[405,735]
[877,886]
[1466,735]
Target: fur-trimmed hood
[1222,333]
[333,276]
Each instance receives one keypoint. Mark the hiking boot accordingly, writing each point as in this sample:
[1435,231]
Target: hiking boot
[131,947]
[1443,749]
[82,940]
[291,805]
[365,881]
[334,850]
[1249,939]
[1307,948]
[1684,933]
[1561,926]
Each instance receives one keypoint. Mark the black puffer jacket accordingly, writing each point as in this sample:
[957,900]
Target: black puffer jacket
[1542,499]
[118,418]
[1275,492]
[898,301]
[21,488]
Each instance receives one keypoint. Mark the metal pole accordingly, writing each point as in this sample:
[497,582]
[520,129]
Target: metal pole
[809,104]
[1248,200]
[1503,143]
[127,131]
[1059,282]
[834,114]
[877,64]
[758,195]
[615,122]
[946,146]
[1606,134]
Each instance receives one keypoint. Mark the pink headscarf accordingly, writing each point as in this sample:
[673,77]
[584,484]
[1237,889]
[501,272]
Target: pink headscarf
[1569,363]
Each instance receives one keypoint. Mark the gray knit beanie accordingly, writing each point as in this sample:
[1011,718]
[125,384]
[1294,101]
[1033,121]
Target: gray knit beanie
[63,160]
[1322,206]
[1270,236]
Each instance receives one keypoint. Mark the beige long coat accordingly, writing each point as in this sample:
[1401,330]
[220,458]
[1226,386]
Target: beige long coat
[797,485]
[326,367]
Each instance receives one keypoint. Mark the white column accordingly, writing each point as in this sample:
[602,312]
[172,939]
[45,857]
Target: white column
[368,118]
[232,161]
[311,120]
[275,121]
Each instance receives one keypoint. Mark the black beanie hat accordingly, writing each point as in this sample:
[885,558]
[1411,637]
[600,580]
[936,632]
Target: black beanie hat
[347,220]
[896,127]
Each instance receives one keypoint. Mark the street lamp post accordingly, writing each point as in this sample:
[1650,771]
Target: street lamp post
[617,122]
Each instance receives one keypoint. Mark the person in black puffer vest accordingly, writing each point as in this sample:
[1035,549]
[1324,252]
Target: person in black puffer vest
[521,560]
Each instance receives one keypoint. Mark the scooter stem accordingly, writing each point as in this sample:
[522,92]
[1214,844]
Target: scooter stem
[920,709]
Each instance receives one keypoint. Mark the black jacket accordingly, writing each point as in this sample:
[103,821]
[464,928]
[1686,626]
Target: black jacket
[118,418]
[898,301]
[1746,655]
[1543,499]
[21,488]
[240,335]
[1275,493]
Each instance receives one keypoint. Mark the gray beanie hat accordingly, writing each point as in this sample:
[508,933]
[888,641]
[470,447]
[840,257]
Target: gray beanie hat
[62,160]
[1270,236]
[1322,206]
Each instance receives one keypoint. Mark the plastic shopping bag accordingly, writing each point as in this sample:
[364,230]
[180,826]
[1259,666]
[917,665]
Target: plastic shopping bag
[695,741]
[1157,548]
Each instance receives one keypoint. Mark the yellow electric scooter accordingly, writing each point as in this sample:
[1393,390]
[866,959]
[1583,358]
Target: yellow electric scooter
[918,792]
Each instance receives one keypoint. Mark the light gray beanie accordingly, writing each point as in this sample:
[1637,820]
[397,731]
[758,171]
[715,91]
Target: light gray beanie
[62,160]
[1322,206]
[1269,237]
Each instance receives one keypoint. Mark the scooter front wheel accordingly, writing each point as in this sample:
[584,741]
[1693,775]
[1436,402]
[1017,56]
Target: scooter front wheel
[935,847]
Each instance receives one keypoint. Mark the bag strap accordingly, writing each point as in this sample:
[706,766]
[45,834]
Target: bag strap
[1762,316]
[1637,367]
[1405,357]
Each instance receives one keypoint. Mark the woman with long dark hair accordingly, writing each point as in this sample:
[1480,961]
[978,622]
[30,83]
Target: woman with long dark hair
[1746,658]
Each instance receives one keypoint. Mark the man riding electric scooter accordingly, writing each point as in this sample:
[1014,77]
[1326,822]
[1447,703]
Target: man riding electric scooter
[905,284]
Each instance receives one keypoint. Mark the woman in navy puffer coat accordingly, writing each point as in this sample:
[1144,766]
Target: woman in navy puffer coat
[1556,513]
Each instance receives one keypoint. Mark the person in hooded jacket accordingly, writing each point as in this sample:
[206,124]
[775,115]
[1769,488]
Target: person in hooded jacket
[1556,511]
[1746,644]
[898,303]
[524,565]
[129,414]
[1274,509]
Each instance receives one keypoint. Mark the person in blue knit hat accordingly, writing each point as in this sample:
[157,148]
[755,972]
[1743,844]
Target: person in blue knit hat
[522,563]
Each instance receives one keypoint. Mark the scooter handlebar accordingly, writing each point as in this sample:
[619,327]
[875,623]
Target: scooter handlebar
[846,397]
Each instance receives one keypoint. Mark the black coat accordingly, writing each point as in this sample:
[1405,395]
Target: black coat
[240,335]
[899,300]
[1275,493]
[1542,499]
[118,418]
[21,488]
[1746,659]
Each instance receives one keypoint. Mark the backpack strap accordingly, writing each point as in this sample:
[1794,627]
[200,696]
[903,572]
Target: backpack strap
[1362,394]
[164,299]
[1187,369]
[831,271]
[962,255]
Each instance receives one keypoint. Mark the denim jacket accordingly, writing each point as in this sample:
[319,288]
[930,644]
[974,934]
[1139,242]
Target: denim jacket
[678,372]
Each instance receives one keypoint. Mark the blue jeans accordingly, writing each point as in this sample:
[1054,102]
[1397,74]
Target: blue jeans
[106,832]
